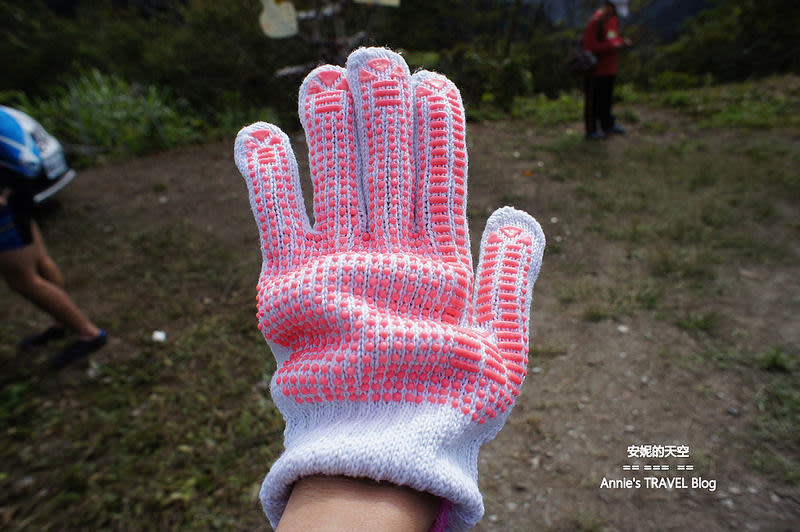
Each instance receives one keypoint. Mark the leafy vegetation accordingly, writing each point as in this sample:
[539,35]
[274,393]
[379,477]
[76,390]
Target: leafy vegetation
[103,114]
[167,73]
[735,40]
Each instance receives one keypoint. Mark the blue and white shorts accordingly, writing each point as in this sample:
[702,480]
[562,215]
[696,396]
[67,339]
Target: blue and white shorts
[12,236]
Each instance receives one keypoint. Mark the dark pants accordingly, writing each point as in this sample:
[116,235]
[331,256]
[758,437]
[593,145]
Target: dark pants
[599,91]
[16,215]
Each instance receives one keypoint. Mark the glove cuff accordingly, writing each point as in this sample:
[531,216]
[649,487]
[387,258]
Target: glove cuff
[425,447]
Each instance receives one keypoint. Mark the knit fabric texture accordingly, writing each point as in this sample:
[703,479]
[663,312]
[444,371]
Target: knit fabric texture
[395,362]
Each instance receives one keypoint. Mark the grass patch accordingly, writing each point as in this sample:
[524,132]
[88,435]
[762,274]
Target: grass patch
[775,436]
[682,264]
[648,294]
[177,434]
[776,464]
[611,302]
[597,313]
[568,143]
[698,322]
[778,422]
[124,447]
[568,294]
[681,208]
[549,111]
[586,522]
[778,361]
[762,104]
[656,127]
[546,351]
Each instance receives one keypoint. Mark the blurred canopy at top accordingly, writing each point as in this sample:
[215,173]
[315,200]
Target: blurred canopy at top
[212,59]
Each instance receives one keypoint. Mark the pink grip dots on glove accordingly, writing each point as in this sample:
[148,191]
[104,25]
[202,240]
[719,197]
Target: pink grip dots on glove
[393,364]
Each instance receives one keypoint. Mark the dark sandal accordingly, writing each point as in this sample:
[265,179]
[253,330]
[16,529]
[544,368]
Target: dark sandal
[78,349]
[39,339]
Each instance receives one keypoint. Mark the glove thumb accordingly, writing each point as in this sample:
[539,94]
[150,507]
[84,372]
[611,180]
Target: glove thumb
[510,258]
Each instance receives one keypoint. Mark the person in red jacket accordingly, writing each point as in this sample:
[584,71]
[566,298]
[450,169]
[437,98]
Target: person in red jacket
[602,38]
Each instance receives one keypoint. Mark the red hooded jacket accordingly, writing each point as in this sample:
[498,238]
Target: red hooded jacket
[601,37]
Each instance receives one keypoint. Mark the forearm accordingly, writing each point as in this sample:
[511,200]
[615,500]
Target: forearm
[604,47]
[331,504]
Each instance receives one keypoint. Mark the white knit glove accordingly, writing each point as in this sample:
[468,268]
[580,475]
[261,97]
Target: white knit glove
[388,368]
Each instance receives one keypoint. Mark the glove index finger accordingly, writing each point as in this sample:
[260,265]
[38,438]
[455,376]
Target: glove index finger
[265,159]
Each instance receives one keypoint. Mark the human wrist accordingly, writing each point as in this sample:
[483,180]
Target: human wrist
[403,444]
[334,503]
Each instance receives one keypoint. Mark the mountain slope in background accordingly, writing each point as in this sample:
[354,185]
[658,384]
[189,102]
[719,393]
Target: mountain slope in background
[664,17]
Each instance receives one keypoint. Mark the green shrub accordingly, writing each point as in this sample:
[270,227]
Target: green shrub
[674,80]
[234,114]
[106,114]
[422,60]
[550,111]
[737,39]
[627,93]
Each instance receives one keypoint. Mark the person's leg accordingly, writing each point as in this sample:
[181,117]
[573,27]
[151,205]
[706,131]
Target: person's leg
[46,267]
[12,238]
[604,101]
[590,109]
[49,270]
[19,268]
[589,105]
[607,120]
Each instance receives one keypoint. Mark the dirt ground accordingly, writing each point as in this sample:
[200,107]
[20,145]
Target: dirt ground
[599,386]
[612,385]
